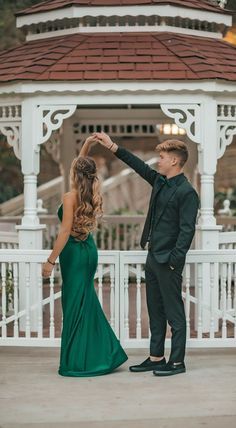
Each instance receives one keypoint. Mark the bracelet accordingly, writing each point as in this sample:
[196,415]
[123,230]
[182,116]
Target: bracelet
[111,146]
[51,263]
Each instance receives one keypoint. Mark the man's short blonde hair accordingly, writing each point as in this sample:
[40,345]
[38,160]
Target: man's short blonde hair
[179,148]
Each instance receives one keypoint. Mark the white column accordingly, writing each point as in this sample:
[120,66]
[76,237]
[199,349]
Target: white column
[30,231]
[207,234]
[38,122]
[207,230]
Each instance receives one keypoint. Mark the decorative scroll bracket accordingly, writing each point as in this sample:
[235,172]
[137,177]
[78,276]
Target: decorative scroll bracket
[226,132]
[10,125]
[51,118]
[186,116]
[13,134]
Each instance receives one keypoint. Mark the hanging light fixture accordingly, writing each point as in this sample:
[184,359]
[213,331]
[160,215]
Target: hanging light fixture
[170,129]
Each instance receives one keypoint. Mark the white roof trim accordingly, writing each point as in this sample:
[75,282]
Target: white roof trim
[121,88]
[134,29]
[161,10]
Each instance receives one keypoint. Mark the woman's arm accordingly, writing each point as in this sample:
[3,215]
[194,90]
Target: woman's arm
[143,169]
[86,146]
[63,235]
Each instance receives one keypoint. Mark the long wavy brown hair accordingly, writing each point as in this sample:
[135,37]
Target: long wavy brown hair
[84,179]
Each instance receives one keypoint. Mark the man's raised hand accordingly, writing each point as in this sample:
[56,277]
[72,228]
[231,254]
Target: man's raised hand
[104,139]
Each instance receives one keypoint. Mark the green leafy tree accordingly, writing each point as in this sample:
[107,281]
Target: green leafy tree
[10,36]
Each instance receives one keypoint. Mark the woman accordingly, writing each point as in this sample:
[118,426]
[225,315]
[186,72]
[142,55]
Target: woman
[89,346]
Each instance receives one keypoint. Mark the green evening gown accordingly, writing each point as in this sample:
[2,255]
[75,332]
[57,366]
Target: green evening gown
[89,347]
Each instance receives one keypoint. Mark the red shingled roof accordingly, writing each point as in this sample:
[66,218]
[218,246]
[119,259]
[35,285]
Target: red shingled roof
[117,56]
[58,4]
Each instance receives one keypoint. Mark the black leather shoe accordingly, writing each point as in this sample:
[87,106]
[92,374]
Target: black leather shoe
[148,365]
[170,369]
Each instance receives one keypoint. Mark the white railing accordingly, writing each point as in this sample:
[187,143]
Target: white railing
[114,232]
[228,223]
[31,312]
[227,240]
[8,240]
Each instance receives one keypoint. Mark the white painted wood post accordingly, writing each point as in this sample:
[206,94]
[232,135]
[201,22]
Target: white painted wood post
[30,231]
[207,233]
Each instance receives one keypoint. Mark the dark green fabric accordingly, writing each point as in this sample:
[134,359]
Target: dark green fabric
[89,346]
[173,222]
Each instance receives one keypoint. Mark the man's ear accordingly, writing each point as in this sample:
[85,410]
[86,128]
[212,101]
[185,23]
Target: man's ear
[174,160]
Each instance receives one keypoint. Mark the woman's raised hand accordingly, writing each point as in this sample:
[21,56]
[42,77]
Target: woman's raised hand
[103,139]
[91,139]
[87,145]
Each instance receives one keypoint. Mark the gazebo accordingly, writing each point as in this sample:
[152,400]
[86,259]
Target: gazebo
[165,57]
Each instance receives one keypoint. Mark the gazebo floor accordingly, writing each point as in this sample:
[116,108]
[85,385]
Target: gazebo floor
[34,395]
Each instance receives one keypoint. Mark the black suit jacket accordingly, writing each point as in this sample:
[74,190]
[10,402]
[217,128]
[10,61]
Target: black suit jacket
[174,225]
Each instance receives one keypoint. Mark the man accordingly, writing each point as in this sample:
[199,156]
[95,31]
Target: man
[168,230]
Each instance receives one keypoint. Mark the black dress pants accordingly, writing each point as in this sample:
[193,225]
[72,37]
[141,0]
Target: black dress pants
[165,304]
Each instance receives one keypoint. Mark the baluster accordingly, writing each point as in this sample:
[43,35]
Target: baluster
[187,298]
[126,301]
[51,307]
[40,302]
[228,290]
[10,279]
[110,236]
[15,282]
[126,231]
[100,277]
[4,301]
[4,112]
[27,296]
[221,111]
[117,240]
[234,303]
[138,302]
[102,237]
[212,300]
[223,285]
[199,306]
[234,286]
[11,112]
[132,236]
[112,296]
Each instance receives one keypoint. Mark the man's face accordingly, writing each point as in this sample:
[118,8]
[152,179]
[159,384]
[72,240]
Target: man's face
[166,162]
